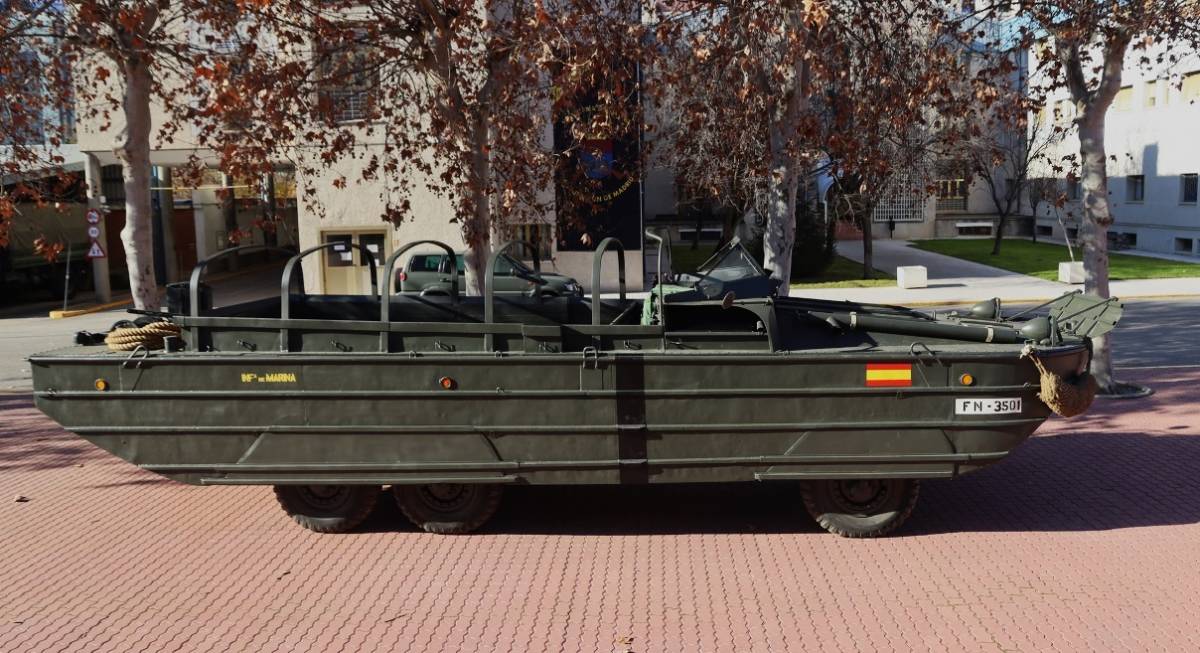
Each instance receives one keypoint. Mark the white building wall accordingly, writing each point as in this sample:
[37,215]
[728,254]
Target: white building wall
[1153,132]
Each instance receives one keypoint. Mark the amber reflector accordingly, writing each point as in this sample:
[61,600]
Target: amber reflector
[966,379]
[447,383]
[101,385]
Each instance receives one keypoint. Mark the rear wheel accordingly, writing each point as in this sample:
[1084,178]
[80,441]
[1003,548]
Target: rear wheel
[861,507]
[448,508]
[327,508]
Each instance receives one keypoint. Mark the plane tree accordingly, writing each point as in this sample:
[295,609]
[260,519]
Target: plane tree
[763,95]
[1084,47]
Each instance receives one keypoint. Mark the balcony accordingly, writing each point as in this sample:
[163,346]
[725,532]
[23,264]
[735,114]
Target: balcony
[951,204]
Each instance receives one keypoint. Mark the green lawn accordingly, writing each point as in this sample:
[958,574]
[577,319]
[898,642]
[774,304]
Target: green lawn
[1041,259]
[842,273]
[685,259]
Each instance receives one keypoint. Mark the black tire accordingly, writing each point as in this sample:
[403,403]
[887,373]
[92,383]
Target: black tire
[861,507]
[448,508]
[328,508]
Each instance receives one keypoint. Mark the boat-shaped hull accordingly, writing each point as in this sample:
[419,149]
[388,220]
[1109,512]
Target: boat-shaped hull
[227,418]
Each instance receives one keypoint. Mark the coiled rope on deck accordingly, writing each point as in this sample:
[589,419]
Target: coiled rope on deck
[1066,397]
[149,336]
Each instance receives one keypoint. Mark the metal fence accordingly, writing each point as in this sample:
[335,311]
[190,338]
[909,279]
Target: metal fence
[903,202]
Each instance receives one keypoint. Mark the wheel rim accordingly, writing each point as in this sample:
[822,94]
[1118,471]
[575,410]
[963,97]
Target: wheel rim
[446,497]
[861,496]
[325,497]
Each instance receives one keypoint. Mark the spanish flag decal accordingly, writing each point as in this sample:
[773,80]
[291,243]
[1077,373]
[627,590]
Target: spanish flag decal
[889,375]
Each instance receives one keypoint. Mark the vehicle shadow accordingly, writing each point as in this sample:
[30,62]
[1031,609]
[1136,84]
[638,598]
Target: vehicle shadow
[1075,482]
[30,442]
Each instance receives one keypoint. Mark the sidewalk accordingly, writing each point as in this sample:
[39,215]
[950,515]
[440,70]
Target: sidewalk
[955,281]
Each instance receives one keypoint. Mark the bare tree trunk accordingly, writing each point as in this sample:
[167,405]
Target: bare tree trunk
[868,239]
[780,234]
[477,231]
[999,234]
[1093,233]
[133,149]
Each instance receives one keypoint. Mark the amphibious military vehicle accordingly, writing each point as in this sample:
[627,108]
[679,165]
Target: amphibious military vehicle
[446,399]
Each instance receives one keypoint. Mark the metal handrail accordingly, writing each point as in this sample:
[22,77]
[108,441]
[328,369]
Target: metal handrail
[198,271]
[489,282]
[597,262]
[662,307]
[289,269]
[385,299]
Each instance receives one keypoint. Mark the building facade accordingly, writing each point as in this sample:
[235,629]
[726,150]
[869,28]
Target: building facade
[1153,144]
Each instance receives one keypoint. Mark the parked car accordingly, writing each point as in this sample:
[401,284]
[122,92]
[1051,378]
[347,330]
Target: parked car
[429,274]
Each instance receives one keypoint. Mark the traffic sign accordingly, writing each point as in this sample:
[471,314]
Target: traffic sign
[93,216]
[96,251]
[93,232]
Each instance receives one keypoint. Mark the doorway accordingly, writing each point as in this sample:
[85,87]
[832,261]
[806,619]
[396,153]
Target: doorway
[344,269]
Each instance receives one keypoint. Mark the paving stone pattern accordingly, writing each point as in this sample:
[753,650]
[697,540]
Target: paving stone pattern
[1086,539]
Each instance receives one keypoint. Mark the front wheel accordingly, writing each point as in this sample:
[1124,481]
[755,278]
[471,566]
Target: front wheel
[861,507]
[448,508]
[328,508]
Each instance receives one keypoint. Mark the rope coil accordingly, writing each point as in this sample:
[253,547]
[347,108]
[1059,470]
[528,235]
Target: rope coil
[149,336]
[1066,397]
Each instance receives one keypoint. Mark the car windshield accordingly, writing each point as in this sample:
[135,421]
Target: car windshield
[729,263]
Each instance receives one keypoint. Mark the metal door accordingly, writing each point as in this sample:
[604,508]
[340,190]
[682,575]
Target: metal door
[344,269]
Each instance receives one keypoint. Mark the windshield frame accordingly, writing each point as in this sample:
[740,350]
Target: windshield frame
[711,263]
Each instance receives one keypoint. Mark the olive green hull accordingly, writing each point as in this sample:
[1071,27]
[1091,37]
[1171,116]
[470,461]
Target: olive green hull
[704,416]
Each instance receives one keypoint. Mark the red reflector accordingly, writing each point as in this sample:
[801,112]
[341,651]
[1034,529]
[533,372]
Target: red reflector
[403,276]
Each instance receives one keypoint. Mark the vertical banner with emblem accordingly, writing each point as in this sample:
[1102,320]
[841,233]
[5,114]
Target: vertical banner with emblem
[598,185]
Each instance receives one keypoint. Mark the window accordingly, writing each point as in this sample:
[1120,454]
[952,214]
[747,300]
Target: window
[972,229]
[1120,240]
[1188,188]
[426,262]
[24,121]
[951,194]
[1044,230]
[1190,90]
[1183,245]
[538,234]
[1124,99]
[112,185]
[349,75]
[342,253]
[1151,93]
[1135,188]
[1074,190]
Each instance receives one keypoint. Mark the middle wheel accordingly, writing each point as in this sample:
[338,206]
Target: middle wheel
[448,508]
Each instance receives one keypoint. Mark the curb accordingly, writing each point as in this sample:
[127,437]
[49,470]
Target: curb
[94,308]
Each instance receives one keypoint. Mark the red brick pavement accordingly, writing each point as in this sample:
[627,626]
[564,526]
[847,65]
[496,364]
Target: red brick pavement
[1086,539]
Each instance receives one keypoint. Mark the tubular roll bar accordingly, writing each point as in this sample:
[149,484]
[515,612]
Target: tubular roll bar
[194,282]
[290,269]
[386,291]
[662,306]
[489,283]
[597,262]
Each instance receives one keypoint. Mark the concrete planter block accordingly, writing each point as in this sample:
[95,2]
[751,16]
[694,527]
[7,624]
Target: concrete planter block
[912,276]
[1070,272]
